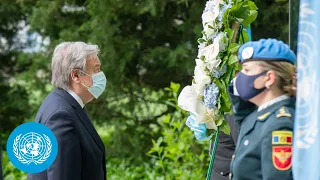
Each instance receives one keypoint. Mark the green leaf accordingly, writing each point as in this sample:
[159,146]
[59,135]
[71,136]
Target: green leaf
[252,5]
[225,60]
[242,13]
[175,87]
[201,40]
[226,18]
[211,27]
[219,121]
[225,128]
[170,104]
[245,36]
[250,18]
[167,119]
[219,101]
[230,33]
[232,59]
[233,47]
[226,105]
[240,20]
[167,89]
[219,84]
[237,6]
[224,102]
[238,67]
[211,132]
[197,29]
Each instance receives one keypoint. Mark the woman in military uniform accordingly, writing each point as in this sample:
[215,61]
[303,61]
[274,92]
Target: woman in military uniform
[263,101]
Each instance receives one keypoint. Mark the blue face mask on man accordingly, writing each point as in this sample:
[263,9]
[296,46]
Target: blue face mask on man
[99,84]
[245,85]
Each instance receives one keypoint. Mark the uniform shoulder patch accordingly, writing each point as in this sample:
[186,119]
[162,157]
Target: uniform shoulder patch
[282,137]
[281,157]
[283,112]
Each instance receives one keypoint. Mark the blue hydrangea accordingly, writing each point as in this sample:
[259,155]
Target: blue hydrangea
[223,10]
[210,6]
[217,73]
[211,93]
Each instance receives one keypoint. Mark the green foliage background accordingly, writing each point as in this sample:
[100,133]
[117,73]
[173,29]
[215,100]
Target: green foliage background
[145,45]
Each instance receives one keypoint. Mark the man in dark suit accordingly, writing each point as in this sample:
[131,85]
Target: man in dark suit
[78,79]
[225,150]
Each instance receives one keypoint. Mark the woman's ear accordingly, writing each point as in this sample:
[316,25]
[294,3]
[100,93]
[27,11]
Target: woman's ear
[270,79]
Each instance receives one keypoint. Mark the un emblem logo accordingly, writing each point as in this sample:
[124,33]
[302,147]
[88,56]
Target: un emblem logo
[32,147]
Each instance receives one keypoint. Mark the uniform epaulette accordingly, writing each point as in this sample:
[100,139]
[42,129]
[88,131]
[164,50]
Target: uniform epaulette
[264,116]
[283,112]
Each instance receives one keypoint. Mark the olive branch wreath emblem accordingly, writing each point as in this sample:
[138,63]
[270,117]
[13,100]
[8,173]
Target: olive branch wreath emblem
[26,161]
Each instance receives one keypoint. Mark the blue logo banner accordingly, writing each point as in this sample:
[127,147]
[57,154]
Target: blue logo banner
[306,160]
[32,147]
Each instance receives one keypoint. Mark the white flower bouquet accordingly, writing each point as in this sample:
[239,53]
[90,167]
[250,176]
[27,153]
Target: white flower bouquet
[207,98]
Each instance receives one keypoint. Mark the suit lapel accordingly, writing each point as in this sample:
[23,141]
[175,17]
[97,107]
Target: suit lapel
[81,113]
[83,116]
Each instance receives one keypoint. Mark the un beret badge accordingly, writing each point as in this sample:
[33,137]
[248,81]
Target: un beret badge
[247,53]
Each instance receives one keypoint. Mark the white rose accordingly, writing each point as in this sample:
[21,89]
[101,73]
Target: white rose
[213,6]
[213,64]
[200,64]
[201,76]
[189,101]
[210,29]
[217,2]
[210,52]
[202,45]
[222,40]
[208,17]
[211,125]
[207,116]
[209,25]
[198,88]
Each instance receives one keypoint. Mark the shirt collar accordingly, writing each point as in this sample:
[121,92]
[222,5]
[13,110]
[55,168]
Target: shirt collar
[273,101]
[76,97]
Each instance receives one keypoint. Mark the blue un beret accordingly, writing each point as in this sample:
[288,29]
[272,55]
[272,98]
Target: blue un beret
[266,50]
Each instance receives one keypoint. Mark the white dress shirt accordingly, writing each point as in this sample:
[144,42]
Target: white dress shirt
[76,97]
[273,101]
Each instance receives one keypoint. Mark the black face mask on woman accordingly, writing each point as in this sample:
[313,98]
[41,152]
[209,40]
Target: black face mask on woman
[245,85]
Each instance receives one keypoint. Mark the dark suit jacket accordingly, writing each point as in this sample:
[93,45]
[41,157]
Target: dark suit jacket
[225,150]
[81,154]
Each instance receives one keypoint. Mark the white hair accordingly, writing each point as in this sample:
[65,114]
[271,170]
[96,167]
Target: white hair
[68,56]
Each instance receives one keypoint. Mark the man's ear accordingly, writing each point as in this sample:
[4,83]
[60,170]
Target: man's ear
[270,79]
[75,74]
